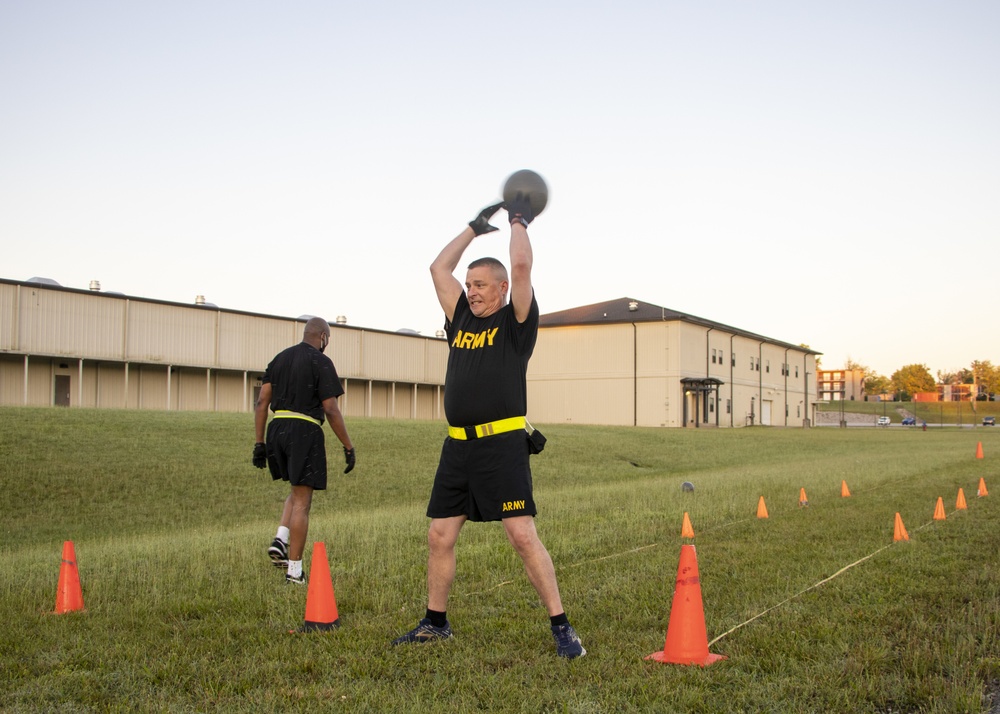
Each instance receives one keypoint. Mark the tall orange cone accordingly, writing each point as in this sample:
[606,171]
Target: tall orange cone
[687,640]
[960,501]
[899,530]
[686,530]
[68,594]
[979,450]
[761,508]
[844,491]
[321,605]
[982,488]
[803,501]
[939,510]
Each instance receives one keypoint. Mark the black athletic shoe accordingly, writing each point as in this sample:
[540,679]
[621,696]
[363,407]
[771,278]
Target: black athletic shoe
[567,642]
[278,553]
[292,580]
[424,632]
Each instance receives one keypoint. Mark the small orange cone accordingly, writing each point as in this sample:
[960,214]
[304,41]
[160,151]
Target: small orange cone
[68,594]
[899,530]
[761,508]
[960,501]
[939,510]
[687,640]
[321,605]
[982,488]
[844,491]
[803,501]
[686,530]
[979,450]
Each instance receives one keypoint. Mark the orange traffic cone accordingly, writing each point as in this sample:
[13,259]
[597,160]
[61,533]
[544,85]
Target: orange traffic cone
[844,491]
[899,530]
[68,594]
[321,605]
[939,510]
[982,488]
[761,508]
[803,501]
[960,501]
[686,530]
[687,641]
[979,450]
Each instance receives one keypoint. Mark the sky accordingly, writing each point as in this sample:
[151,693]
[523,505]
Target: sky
[819,173]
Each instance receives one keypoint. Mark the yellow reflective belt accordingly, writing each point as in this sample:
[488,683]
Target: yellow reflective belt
[488,429]
[287,414]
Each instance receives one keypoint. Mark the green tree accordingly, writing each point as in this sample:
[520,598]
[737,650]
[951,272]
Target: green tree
[986,376]
[876,384]
[913,378]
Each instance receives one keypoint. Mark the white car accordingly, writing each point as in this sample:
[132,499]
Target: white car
[884,421]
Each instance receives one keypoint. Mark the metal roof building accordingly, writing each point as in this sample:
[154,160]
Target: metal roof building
[71,347]
[620,362]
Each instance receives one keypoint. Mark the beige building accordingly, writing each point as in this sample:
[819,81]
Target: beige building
[625,362]
[835,385]
[621,362]
[70,347]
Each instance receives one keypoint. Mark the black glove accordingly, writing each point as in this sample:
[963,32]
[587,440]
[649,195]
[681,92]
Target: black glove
[259,455]
[481,224]
[520,207]
[349,457]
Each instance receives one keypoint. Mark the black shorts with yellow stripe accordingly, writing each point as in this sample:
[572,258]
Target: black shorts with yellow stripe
[296,452]
[486,479]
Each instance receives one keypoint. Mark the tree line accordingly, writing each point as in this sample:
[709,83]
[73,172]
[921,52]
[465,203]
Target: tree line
[913,378]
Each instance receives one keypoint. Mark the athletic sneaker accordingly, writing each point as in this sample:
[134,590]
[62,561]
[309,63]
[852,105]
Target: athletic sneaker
[292,580]
[278,553]
[424,632]
[567,642]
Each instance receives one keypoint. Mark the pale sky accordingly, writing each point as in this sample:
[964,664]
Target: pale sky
[824,173]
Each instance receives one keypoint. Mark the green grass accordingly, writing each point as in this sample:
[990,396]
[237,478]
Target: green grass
[183,613]
[966,414]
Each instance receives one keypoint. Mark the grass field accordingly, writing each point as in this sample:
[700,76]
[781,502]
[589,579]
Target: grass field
[183,612]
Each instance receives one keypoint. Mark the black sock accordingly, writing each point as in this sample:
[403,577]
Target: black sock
[559,619]
[438,619]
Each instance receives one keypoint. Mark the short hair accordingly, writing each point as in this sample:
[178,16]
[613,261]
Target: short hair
[316,326]
[498,268]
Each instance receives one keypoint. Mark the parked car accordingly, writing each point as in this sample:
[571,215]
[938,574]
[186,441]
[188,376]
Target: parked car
[910,421]
[989,421]
[884,421]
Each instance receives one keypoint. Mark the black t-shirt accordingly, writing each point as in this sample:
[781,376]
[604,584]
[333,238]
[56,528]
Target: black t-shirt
[301,377]
[487,363]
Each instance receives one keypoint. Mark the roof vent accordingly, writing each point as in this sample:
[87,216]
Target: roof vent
[95,285]
[439,334]
[341,319]
[199,299]
[44,281]
[633,306]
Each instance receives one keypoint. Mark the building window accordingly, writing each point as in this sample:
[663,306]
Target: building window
[798,411]
[733,358]
[796,371]
[711,405]
[751,364]
[767,366]
[713,355]
[729,406]
[758,364]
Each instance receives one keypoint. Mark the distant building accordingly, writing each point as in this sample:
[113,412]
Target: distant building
[834,385]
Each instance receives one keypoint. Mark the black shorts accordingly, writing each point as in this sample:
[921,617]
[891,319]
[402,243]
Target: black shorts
[486,479]
[296,452]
